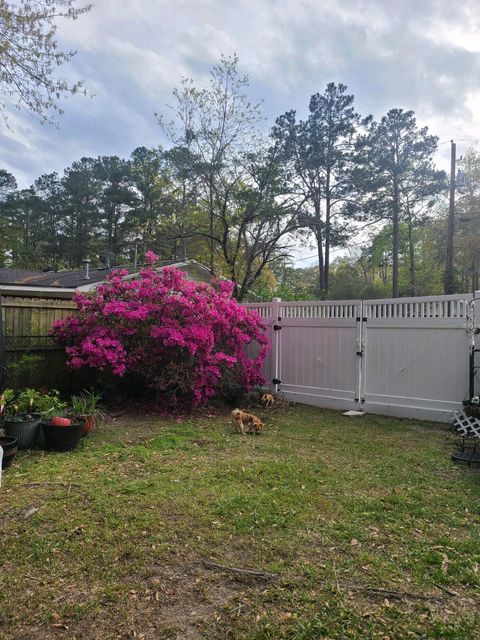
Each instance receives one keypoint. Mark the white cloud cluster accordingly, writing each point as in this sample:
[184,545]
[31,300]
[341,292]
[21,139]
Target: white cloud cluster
[419,55]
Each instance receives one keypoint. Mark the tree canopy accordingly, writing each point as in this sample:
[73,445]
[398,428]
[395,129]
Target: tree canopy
[239,196]
[30,56]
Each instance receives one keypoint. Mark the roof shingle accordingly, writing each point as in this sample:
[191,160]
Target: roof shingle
[62,279]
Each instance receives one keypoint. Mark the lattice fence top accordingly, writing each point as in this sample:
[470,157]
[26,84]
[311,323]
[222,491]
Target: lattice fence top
[331,309]
[264,310]
[428,307]
[456,306]
[347,309]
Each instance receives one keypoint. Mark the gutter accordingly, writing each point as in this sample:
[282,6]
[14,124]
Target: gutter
[36,292]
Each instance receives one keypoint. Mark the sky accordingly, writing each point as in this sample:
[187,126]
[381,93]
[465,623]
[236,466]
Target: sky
[413,54]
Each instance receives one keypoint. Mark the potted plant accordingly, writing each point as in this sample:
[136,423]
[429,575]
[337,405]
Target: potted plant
[23,413]
[21,420]
[61,434]
[87,407]
[49,404]
[63,430]
[472,407]
[8,444]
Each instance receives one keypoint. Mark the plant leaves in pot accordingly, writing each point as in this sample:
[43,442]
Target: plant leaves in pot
[87,407]
[24,411]
[63,432]
[21,421]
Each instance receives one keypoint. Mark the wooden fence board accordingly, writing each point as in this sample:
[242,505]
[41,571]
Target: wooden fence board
[26,331]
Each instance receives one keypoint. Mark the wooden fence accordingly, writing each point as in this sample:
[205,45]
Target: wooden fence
[29,355]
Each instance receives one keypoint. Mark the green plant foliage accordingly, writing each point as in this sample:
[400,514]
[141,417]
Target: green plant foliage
[87,404]
[31,401]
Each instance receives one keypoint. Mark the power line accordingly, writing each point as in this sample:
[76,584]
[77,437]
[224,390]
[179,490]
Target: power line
[352,244]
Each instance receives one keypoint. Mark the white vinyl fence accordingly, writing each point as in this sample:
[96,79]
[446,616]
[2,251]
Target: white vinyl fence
[406,357]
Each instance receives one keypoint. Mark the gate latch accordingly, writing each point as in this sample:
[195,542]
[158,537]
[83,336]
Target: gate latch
[360,347]
[276,327]
[276,381]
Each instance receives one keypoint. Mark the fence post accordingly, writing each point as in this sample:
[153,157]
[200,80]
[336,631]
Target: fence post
[361,352]
[275,354]
[3,367]
[473,343]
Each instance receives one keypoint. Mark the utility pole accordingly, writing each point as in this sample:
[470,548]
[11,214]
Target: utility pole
[448,285]
[135,256]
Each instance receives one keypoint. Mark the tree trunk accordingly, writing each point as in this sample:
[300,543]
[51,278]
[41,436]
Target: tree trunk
[321,266]
[182,223]
[411,256]
[327,230]
[395,237]
[319,238]
[210,228]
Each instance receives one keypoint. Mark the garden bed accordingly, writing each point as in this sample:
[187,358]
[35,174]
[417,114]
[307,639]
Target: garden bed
[371,530]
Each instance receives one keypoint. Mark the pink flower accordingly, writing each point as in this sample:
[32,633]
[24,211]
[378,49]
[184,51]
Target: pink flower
[182,338]
[151,257]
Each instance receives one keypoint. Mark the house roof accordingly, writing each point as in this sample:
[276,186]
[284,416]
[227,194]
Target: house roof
[68,281]
[16,276]
[61,279]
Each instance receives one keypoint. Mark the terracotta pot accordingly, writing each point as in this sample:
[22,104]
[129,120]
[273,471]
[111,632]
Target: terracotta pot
[89,424]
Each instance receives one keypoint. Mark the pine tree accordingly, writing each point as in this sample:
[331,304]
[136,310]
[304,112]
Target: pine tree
[320,153]
[395,169]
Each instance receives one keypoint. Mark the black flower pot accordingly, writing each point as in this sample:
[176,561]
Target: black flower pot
[472,410]
[62,438]
[25,428]
[9,446]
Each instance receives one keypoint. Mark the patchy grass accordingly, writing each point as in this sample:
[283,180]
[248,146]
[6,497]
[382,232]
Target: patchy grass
[340,508]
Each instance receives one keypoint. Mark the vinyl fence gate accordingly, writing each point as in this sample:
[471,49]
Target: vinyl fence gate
[406,357]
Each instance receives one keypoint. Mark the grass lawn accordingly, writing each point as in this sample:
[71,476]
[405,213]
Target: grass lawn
[340,508]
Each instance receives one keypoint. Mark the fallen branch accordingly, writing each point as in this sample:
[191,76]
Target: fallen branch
[393,595]
[51,484]
[454,594]
[336,577]
[261,575]
[380,593]
[117,414]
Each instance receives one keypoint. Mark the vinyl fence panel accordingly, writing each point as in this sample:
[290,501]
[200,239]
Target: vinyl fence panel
[407,357]
[416,356]
[318,345]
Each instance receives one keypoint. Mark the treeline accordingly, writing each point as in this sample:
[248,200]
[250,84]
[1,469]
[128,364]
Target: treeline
[99,206]
[364,269]
[238,199]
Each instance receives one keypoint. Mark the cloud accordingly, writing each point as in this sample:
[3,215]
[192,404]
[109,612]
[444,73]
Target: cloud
[417,55]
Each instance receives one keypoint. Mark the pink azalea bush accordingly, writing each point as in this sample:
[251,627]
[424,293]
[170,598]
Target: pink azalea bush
[181,338]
